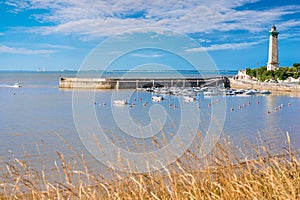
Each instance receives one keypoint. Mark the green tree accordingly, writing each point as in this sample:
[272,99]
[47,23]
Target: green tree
[263,77]
[296,65]
[296,75]
[282,73]
[248,71]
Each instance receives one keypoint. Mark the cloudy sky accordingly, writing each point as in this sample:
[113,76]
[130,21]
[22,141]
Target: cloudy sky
[59,34]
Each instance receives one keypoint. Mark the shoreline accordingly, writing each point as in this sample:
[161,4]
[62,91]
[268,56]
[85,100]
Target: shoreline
[275,88]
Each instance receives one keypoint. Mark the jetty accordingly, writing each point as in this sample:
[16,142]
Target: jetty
[134,83]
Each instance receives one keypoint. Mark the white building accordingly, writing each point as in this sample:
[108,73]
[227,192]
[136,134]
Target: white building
[242,75]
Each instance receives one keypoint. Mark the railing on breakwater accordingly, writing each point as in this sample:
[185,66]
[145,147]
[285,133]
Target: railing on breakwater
[133,83]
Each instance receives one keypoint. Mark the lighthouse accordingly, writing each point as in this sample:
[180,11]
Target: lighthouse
[273,49]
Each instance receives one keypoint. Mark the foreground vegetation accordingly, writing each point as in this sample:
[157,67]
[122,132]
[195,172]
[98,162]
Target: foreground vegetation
[227,173]
[262,74]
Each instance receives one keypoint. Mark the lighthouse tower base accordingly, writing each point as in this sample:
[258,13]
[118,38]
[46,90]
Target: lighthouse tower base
[272,66]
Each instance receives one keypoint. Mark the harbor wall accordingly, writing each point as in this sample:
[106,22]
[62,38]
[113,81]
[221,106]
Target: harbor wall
[273,87]
[84,83]
[108,83]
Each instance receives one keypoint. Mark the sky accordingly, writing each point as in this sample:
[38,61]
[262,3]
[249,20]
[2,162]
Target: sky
[61,34]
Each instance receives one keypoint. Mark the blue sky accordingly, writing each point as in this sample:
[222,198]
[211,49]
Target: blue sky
[59,34]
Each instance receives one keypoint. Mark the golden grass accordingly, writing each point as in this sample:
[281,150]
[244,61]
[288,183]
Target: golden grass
[224,174]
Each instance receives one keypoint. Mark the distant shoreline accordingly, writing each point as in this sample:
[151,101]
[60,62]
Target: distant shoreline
[232,71]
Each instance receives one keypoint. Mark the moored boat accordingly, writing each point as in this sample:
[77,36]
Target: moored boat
[120,102]
[157,98]
[188,98]
[250,92]
[265,92]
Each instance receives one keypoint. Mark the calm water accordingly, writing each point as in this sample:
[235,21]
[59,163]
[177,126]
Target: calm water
[39,114]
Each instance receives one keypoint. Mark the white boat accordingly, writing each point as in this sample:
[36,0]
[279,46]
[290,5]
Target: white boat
[251,92]
[157,98]
[149,89]
[156,90]
[204,89]
[120,102]
[16,85]
[141,89]
[241,91]
[187,92]
[197,89]
[177,93]
[229,92]
[265,92]
[164,91]
[188,98]
[210,93]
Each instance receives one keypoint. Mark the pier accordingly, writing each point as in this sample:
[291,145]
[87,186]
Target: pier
[133,83]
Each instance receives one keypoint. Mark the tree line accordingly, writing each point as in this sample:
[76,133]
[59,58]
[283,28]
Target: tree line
[262,74]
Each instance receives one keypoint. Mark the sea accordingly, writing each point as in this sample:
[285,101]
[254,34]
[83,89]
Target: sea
[39,120]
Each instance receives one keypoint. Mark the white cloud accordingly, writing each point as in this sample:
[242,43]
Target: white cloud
[290,36]
[146,55]
[13,50]
[289,23]
[204,40]
[56,46]
[92,19]
[216,47]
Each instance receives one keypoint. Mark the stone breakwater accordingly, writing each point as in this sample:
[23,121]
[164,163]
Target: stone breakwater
[273,87]
[134,83]
[84,83]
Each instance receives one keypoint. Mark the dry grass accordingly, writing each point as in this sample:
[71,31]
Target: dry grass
[224,174]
